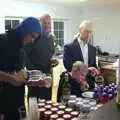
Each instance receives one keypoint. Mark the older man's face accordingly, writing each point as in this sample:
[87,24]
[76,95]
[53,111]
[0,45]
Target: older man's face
[47,24]
[85,33]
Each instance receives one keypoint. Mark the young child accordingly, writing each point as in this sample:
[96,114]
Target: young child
[77,79]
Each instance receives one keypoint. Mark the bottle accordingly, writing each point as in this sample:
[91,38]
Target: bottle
[118,85]
[66,89]
[25,73]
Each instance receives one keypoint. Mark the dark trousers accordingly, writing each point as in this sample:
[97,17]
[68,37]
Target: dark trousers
[11,98]
[10,113]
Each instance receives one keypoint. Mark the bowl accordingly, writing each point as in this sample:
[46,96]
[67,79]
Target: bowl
[88,94]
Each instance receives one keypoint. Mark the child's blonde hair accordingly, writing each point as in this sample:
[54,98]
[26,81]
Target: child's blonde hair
[80,66]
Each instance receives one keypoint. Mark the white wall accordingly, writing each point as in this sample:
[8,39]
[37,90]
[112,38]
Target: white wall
[106,24]
[69,14]
[106,19]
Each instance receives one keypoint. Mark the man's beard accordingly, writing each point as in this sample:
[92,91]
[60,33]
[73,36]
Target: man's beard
[85,41]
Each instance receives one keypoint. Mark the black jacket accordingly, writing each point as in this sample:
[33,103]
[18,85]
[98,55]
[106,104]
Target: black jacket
[10,61]
[38,56]
[73,53]
[39,53]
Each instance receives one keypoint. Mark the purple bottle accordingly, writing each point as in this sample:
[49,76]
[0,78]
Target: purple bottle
[110,91]
[101,86]
[95,90]
[110,96]
[105,89]
[96,96]
[113,88]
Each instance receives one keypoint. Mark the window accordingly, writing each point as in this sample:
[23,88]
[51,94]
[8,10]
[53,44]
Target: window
[59,31]
[11,22]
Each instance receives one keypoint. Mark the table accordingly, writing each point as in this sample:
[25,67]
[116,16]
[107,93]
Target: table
[109,73]
[106,112]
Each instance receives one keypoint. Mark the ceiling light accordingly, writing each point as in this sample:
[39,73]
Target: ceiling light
[82,0]
[73,0]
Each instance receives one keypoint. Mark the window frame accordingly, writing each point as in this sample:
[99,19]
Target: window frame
[63,30]
[11,18]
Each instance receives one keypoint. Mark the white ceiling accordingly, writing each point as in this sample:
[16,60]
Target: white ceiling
[77,2]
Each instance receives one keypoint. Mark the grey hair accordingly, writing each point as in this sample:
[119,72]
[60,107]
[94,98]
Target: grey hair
[84,24]
[46,15]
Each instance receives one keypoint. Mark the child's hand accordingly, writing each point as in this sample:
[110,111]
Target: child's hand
[84,86]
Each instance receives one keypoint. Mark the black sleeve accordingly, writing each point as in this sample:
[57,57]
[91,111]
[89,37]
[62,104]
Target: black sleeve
[67,58]
[0,54]
[51,39]
[28,56]
[2,48]
[94,57]
[53,46]
[23,58]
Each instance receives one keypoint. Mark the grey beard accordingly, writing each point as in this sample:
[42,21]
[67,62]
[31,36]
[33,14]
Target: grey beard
[85,42]
[47,34]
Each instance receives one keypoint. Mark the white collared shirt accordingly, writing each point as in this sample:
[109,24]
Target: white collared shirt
[84,49]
